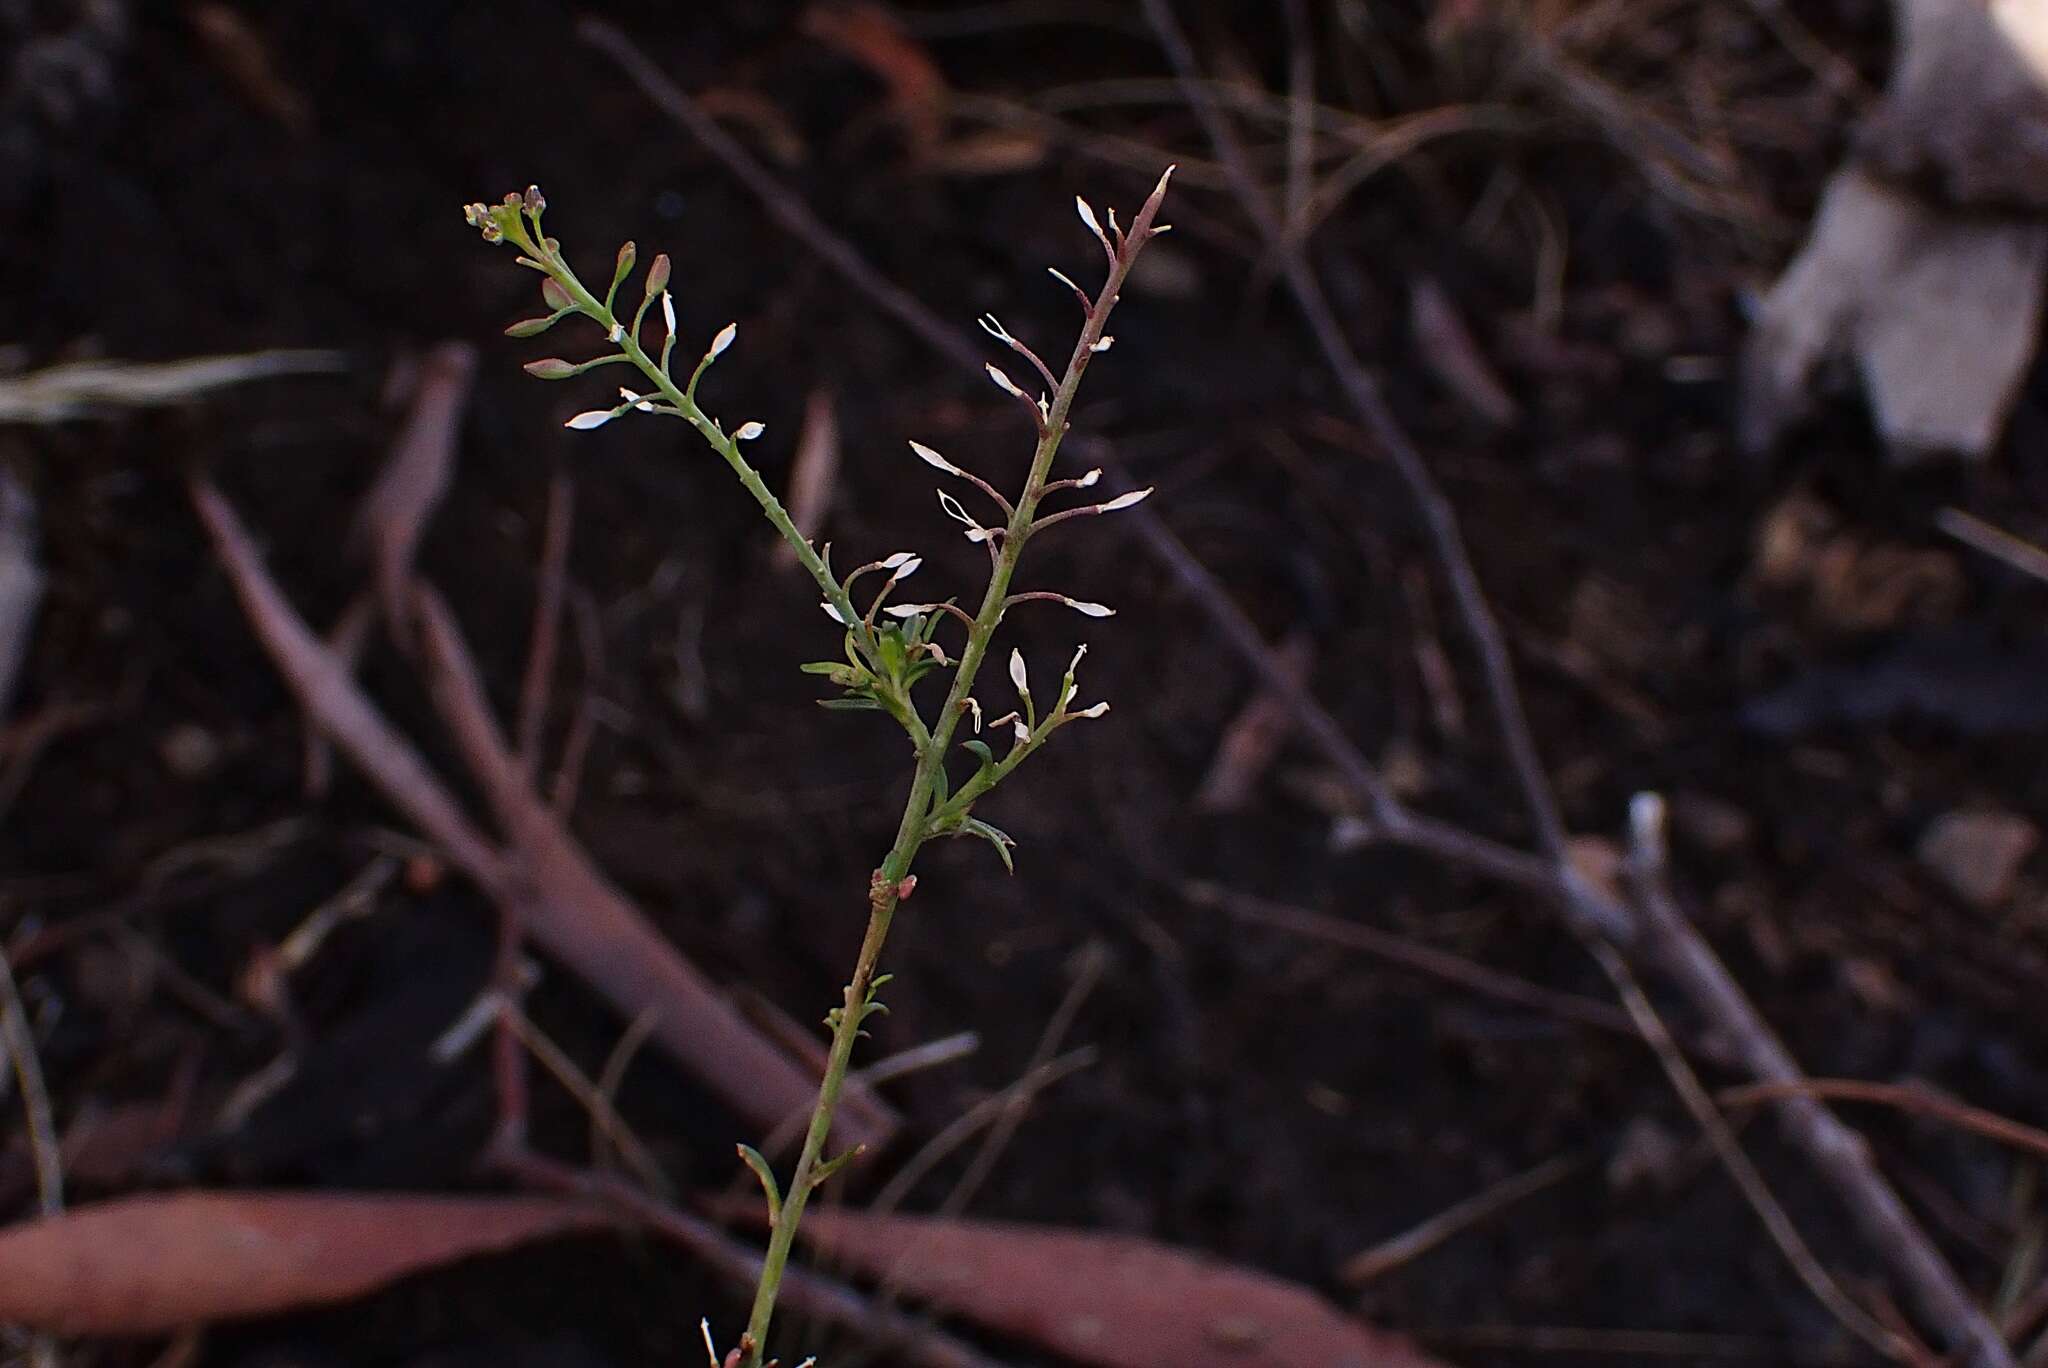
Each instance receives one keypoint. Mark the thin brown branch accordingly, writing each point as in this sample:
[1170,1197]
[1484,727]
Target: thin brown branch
[576,913]
[1905,1097]
[782,205]
[1733,1158]
[1439,520]
[1388,1255]
[1421,959]
[1835,1149]
[549,593]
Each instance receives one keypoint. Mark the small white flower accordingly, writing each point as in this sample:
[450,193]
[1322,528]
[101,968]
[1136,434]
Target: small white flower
[1098,710]
[618,331]
[1136,496]
[1088,217]
[1017,674]
[994,328]
[1103,344]
[724,339]
[933,459]
[747,432]
[974,708]
[975,531]
[906,569]
[1021,732]
[1075,663]
[1088,609]
[594,418]
[904,610]
[1005,383]
[1044,410]
[638,401]
[1064,279]
[668,312]
[897,559]
[833,612]
[1087,481]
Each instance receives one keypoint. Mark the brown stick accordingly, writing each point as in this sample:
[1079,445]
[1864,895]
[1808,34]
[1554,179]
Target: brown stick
[1835,1149]
[585,922]
[547,622]
[1905,1097]
[564,903]
[1421,959]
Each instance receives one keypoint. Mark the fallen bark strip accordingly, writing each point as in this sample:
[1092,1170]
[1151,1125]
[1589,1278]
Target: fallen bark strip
[564,903]
[155,1264]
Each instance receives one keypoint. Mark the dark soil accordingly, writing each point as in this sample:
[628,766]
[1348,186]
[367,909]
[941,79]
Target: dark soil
[1274,1101]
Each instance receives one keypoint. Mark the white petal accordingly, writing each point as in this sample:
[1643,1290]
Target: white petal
[1089,609]
[1064,279]
[1098,710]
[955,511]
[583,422]
[724,339]
[668,312]
[1004,382]
[628,395]
[976,709]
[1136,496]
[747,432]
[907,569]
[897,559]
[833,613]
[1021,732]
[1017,674]
[904,610]
[1075,663]
[1088,480]
[1103,344]
[933,459]
[993,327]
[1088,217]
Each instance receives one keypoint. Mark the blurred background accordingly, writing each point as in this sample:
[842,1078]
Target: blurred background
[1550,230]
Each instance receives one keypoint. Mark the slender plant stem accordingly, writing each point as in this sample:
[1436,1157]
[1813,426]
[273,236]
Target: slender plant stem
[914,829]
[924,815]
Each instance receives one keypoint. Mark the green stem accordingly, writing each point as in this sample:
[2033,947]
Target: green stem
[914,829]
[887,886]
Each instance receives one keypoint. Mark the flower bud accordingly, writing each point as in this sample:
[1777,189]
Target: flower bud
[557,297]
[657,275]
[550,368]
[529,327]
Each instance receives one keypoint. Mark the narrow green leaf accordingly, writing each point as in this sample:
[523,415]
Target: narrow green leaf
[826,1171]
[751,1157]
[995,836]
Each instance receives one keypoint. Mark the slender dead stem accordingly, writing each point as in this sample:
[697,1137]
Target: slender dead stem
[1835,1149]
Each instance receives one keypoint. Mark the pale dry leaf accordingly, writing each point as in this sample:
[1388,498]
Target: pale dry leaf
[155,1264]
[1115,1301]
[82,389]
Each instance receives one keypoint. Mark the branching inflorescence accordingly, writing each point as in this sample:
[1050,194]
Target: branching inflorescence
[889,647]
